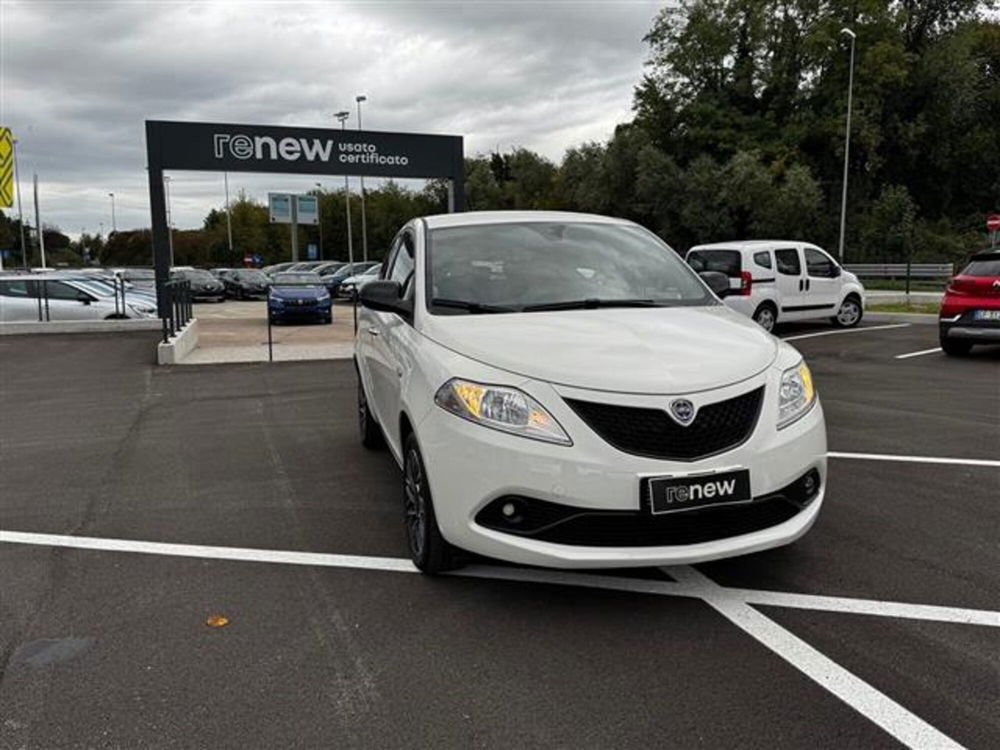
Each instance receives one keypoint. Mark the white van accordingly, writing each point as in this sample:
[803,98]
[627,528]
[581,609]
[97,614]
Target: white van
[776,281]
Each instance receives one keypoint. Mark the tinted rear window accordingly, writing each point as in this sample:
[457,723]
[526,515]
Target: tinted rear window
[988,267]
[724,261]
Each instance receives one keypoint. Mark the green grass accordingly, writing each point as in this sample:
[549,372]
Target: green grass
[930,308]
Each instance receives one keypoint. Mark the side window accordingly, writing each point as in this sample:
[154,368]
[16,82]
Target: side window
[14,288]
[788,262]
[762,259]
[819,264]
[59,290]
[402,263]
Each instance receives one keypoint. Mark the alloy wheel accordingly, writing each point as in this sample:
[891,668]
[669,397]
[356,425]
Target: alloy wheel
[849,313]
[414,503]
[765,318]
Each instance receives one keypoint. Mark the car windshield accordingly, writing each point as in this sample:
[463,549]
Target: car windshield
[95,287]
[253,275]
[514,267]
[297,279]
[983,267]
[195,274]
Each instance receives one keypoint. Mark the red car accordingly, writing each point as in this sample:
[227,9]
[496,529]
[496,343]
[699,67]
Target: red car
[970,310]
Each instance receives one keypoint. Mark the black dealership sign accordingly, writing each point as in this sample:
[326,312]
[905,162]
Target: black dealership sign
[226,147]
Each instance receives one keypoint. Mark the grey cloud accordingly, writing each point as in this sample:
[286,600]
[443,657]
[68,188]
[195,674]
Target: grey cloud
[79,79]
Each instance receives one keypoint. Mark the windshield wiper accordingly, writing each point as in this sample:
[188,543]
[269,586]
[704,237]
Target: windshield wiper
[592,304]
[472,307]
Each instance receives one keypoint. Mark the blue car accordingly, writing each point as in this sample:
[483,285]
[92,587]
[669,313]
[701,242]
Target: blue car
[298,296]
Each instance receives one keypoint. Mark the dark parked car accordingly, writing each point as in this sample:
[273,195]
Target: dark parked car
[204,286]
[298,296]
[276,268]
[346,271]
[246,283]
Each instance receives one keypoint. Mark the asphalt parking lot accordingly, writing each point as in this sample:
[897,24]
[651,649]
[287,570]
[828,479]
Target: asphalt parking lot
[139,501]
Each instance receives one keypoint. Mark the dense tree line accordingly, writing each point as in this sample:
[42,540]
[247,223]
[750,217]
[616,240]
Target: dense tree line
[738,133]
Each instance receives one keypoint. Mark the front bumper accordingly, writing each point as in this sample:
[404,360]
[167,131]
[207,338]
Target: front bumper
[470,466]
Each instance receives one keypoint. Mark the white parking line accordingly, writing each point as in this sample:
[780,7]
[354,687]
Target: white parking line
[874,705]
[845,330]
[915,459]
[732,603]
[918,354]
[525,575]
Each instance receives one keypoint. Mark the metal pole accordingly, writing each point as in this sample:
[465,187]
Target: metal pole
[20,213]
[342,116]
[295,226]
[229,221]
[319,217]
[364,216]
[847,147]
[38,224]
[114,221]
[170,219]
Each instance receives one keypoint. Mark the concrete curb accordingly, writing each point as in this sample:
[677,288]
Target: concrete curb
[179,346]
[917,318]
[80,326]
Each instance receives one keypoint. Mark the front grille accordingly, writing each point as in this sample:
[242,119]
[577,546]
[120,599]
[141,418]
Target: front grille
[585,527]
[653,433]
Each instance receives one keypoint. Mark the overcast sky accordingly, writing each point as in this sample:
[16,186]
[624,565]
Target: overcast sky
[77,81]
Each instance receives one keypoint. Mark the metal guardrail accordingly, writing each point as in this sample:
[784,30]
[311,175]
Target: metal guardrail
[902,270]
[179,307]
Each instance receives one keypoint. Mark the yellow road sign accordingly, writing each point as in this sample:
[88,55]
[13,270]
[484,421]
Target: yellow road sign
[6,168]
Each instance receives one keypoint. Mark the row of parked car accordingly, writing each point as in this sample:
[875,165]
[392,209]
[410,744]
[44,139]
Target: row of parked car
[77,294]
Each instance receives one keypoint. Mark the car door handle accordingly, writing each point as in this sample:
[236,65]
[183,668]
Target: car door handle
[373,331]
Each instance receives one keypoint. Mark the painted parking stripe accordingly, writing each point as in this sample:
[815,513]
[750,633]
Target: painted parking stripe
[846,330]
[915,459]
[874,705]
[919,354]
[523,575]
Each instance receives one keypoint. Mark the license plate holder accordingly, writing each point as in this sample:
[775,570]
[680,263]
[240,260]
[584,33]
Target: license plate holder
[992,316]
[673,494]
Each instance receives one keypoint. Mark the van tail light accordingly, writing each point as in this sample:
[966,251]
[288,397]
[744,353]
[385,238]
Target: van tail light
[746,281]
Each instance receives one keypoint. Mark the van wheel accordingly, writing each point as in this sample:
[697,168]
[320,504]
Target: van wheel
[371,433]
[766,316]
[428,549]
[849,314]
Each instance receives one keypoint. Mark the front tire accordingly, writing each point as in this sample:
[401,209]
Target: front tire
[428,549]
[371,433]
[954,348]
[849,314]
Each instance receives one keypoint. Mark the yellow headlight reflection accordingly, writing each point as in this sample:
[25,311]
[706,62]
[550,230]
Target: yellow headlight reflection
[471,395]
[807,382]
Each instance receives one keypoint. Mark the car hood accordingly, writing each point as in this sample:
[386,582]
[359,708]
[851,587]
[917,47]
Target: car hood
[654,350]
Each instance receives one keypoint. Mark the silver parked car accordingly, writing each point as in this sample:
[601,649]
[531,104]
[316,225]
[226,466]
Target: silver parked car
[68,299]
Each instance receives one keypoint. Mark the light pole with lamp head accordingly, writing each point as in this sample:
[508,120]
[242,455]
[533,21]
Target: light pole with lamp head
[364,223]
[170,219]
[847,146]
[114,222]
[342,117]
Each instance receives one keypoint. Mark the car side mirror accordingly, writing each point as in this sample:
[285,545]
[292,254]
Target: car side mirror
[83,297]
[386,296]
[837,270]
[717,281]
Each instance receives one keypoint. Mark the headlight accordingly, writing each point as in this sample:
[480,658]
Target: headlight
[502,408]
[323,298]
[143,311]
[276,300]
[796,395]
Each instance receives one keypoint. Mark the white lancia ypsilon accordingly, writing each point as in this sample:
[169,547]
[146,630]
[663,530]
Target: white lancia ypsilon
[563,390]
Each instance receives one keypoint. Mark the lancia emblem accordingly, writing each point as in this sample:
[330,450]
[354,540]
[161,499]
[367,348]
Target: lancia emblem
[682,411]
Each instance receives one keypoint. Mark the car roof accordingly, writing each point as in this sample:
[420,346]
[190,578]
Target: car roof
[477,218]
[747,244]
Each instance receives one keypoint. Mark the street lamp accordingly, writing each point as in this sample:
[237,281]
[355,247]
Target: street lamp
[229,220]
[342,117]
[847,145]
[114,222]
[364,223]
[20,213]
[170,219]
[319,217]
